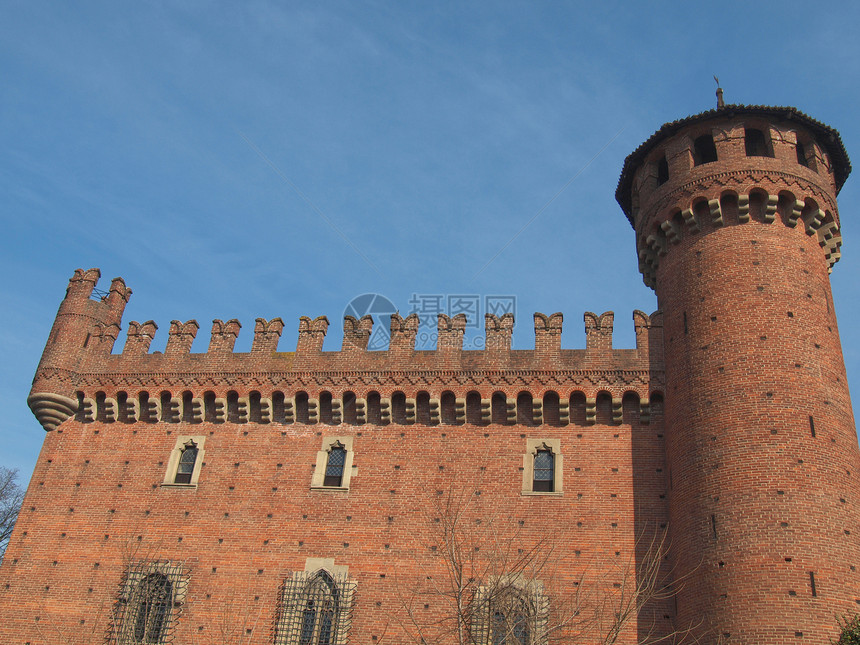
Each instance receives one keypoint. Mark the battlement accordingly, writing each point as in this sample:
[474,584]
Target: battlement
[81,360]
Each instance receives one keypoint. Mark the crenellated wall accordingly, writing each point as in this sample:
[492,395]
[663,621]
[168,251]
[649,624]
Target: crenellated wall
[139,385]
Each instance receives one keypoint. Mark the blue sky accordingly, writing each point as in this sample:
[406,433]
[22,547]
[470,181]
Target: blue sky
[262,159]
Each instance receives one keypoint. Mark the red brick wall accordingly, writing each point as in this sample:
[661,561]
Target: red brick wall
[63,567]
[758,505]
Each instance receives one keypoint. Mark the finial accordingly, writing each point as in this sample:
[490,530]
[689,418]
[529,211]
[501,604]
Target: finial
[720,102]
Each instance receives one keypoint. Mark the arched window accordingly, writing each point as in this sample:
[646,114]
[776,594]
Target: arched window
[544,471]
[510,618]
[551,409]
[473,409]
[500,408]
[802,159]
[187,459]
[210,412]
[756,143]
[315,608]
[326,408]
[152,602]
[348,408]
[577,408]
[302,408]
[704,150]
[422,409]
[319,611]
[604,408]
[525,409]
[334,466]
[662,171]
[449,408]
[374,408]
[398,408]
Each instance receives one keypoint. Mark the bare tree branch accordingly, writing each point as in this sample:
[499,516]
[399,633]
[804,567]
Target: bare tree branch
[11,497]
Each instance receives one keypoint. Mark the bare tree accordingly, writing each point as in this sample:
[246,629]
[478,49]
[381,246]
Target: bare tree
[490,582]
[11,496]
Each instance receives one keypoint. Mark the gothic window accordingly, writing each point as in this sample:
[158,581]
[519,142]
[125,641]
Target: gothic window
[149,604]
[542,467]
[513,612]
[543,471]
[509,626]
[185,462]
[315,609]
[152,610]
[334,464]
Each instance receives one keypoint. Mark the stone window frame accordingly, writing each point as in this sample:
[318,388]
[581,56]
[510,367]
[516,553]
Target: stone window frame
[297,588]
[500,592]
[130,599]
[182,442]
[532,448]
[318,478]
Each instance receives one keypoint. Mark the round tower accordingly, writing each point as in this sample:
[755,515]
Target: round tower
[737,229]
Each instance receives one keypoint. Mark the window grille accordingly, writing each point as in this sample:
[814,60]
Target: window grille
[334,466]
[544,471]
[186,464]
[510,614]
[315,608]
[149,604]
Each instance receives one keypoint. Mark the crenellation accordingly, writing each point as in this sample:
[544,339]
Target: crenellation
[598,331]
[548,333]
[356,333]
[311,335]
[181,336]
[450,333]
[403,333]
[498,332]
[224,336]
[266,335]
[139,337]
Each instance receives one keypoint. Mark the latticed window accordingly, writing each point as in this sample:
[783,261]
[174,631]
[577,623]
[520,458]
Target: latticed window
[510,613]
[149,604]
[334,466]
[315,609]
[544,468]
[152,611]
[510,626]
[186,464]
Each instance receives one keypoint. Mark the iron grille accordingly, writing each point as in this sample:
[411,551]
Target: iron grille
[149,603]
[314,608]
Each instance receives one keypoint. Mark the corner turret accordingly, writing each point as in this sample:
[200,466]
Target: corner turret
[84,326]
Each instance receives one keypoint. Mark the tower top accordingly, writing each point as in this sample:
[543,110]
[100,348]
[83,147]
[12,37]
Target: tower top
[826,136]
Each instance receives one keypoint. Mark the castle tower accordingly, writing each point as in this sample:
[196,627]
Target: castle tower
[737,229]
[84,328]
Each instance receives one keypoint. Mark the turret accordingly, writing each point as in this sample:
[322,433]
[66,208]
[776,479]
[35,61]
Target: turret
[83,327]
[737,229]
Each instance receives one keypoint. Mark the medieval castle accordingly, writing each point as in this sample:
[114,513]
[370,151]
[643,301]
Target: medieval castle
[702,487]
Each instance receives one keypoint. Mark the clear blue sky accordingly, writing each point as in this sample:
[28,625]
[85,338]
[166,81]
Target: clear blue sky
[135,138]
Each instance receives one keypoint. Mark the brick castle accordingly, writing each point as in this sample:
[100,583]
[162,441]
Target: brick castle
[702,487]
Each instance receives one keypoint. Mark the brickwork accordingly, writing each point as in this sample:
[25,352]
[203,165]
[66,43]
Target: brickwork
[761,444]
[213,475]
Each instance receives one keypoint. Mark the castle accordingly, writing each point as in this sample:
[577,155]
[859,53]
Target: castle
[702,487]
